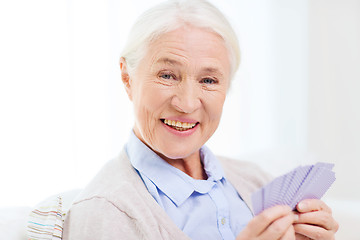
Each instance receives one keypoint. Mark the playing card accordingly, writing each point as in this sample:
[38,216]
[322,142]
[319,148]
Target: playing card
[304,182]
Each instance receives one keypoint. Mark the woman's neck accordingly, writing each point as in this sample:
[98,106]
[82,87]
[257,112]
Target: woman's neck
[191,165]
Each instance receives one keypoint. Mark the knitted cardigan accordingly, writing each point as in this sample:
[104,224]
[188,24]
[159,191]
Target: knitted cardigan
[117,205]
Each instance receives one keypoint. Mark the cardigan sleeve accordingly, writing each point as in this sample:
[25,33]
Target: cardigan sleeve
[99,219]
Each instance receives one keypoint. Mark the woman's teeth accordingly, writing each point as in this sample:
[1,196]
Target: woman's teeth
[180,126]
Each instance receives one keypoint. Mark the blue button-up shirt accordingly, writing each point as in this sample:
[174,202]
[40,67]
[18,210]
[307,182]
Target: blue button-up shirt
[203,209]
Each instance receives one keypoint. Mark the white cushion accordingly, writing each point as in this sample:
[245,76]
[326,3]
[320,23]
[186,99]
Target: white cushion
[13,223]
[46,220]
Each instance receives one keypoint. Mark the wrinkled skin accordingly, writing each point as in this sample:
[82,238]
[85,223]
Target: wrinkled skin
[313,220]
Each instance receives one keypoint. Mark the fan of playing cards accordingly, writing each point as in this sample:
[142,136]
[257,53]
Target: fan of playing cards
[304,182]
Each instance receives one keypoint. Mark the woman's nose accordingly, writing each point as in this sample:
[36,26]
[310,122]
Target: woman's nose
[186,98]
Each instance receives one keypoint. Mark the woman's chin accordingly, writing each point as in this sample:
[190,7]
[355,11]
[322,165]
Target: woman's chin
[178,153]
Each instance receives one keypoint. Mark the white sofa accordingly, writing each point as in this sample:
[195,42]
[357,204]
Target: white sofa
[13,223]
[14,220]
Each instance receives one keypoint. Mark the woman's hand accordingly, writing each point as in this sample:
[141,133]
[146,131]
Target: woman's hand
[272,224]
[315,221]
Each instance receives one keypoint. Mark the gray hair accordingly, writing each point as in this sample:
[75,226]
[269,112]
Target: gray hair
[171,15]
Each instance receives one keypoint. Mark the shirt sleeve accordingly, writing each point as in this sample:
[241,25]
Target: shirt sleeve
[99,219]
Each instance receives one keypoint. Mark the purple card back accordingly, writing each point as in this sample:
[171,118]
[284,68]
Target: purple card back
[304,182]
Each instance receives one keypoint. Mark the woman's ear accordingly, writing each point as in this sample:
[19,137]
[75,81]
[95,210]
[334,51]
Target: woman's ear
[125,77]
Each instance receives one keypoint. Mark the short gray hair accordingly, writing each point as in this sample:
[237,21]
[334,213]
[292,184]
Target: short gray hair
[171,15]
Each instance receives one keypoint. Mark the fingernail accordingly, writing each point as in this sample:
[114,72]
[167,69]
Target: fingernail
[302,205]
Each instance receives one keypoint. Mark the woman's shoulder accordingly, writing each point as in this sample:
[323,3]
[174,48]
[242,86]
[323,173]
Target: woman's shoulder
[245,176]
[116,203]
[244,169]
[115,179]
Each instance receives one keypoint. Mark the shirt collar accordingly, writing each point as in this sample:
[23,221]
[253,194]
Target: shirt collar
[174,183]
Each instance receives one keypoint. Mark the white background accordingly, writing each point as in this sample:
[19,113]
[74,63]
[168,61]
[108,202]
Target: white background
[64,112]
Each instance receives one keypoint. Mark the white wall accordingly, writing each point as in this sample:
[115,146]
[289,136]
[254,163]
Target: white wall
[334,87]
[266,111]
[36,101]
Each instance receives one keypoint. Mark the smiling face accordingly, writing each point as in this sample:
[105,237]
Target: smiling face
[178,91]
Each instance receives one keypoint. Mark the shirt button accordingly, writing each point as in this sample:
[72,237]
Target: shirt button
[223,221]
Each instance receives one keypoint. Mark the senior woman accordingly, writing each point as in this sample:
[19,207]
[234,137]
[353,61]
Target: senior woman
[165,184]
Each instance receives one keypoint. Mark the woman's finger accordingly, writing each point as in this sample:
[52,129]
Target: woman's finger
[313,232]
[310,205]
[261,223]
[278,229]
[320,218]
[289,234]
[301,237]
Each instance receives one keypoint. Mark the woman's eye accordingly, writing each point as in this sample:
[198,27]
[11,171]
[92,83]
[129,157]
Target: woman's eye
[166,76]
[208,81]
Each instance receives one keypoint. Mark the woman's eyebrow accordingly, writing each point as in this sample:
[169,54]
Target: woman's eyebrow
[212,70]
[168,61]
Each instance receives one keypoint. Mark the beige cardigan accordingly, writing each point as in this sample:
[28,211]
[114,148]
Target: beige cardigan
[117,205]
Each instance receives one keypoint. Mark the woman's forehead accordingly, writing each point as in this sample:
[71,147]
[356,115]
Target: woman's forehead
[188,46]
[190,38]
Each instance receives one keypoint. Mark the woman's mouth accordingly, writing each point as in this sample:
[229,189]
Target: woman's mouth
[179,126]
